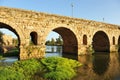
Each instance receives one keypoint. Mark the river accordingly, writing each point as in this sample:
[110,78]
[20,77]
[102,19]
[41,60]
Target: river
[98,66]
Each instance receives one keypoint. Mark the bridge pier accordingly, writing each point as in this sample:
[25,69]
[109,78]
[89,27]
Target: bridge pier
[114,48]
[88,49]
[84,49]
[28,52]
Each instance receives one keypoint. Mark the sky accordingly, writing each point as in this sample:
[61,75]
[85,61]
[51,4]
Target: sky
[107,11]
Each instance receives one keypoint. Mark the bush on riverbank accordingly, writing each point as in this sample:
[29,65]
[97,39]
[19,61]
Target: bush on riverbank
[10,74]
[11,53]
[52,68]
[57,68]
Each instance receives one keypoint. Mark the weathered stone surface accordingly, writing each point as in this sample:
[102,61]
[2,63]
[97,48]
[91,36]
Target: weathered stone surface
[7,40]
[72,30]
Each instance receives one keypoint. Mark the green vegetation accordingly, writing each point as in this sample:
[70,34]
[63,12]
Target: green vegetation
[57,68]
[1,57]
[51,68]
[58,41]
[14,52]
[10,74]
[20,70]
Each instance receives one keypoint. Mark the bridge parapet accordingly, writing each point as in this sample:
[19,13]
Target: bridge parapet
[35,17]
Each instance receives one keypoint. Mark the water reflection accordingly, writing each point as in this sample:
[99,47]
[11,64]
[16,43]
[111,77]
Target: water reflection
[119,56]
[57,51]
[70,56]
[100,63]
[53,51]
[99,67]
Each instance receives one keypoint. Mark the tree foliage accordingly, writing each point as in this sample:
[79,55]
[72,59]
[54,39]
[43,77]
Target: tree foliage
[57,41]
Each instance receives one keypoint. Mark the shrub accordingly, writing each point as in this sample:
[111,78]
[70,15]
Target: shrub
[52,68]
[11,53]
[10,74]
[20,70]
[57,68]
[27,67]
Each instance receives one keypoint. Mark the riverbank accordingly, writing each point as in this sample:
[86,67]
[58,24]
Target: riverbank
[52,68]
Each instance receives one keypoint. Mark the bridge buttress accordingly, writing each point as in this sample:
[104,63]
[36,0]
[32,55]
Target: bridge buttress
[27,52]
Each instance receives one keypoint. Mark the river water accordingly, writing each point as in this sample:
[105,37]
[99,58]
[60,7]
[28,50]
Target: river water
[98,66]
[7,61]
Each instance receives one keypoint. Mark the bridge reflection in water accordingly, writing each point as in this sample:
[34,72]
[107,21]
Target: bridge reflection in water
[100,66]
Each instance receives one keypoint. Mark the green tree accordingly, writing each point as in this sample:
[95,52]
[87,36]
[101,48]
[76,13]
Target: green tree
[52,41]
[59,41]
[48,42]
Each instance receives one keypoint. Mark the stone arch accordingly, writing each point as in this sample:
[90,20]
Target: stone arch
[84,39]
[34,37]
[119,44]
[70,42]
[101,42]
[113,40]
[4,25]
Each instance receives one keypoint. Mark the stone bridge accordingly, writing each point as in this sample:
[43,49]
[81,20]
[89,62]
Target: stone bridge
[79,35]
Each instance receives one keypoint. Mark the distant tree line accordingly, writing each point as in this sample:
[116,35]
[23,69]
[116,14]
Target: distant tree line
[58,41]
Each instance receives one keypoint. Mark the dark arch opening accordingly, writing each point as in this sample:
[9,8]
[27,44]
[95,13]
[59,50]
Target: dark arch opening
[3,25]
[70,43]
[119,44]
[84,40]
[113,40]
[101,42]
[34,38]
[16,42]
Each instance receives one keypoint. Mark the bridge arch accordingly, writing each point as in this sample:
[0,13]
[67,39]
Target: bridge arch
[70,42]
[101,42]
[6,26]
[9,27]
